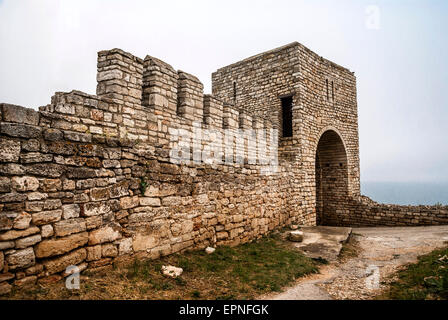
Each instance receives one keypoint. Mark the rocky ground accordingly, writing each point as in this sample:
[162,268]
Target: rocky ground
[368,263]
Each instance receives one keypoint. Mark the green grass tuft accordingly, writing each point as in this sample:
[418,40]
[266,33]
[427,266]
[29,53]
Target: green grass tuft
[425,280]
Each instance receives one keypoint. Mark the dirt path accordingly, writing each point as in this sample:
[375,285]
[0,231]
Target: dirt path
[382,252]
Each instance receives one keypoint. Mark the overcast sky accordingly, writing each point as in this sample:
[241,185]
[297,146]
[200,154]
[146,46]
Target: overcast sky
[397,49]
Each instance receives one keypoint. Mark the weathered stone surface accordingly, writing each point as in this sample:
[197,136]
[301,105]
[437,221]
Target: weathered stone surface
[31,145]
[70,211]
[46,217]
[125,246]
[21,259]
[52,204]
[28,241]
[5,288]
[14,234]
[94,222]
[105,234]
[60,264]
[79,268]
[153,202]
[5,222]
[34,206]
[171,201]
[98,194]
[129,202]
[109,250]
[12,197]
[47,231]
[51,185]
[25,183]
[25,282]
[76,136]
[2,261]
[67,227]
[6,245]
[22,221]
[6,276]
[161,191]
[53,247]
[94,253]
[171,271]
[20,130]
[53,134]
[95,209]
[68,185]
[34,157]
[81,173]
[45,169]
[9,150]
[11,169]
[35,196]
[143,242]
[5,184]
[36,269]
[18,114]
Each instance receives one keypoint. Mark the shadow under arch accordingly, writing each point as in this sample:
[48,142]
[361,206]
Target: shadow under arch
[332,178]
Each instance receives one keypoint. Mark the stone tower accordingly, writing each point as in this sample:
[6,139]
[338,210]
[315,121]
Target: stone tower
[312,101]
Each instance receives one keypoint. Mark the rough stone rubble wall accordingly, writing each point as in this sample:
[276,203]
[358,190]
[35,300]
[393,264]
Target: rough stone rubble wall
[88,179]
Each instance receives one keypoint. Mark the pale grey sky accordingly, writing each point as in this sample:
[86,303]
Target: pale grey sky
[401,68]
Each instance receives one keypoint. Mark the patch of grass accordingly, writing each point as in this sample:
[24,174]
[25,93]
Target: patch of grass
[143,185]
[263,266]
[425,280]
[242,272]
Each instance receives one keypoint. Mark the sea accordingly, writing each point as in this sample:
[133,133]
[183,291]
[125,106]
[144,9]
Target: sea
[406,193]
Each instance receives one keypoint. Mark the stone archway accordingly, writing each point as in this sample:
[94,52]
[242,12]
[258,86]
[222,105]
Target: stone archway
[331,178]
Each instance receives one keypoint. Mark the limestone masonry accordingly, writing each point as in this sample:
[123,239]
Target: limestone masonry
[89,179]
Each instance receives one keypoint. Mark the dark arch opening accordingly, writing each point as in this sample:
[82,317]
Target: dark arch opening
[331,178]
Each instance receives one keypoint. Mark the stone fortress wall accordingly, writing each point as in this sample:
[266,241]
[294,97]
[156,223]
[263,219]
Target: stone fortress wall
[90,179]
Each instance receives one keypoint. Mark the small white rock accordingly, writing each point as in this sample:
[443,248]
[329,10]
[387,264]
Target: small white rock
[171,271]
[294,227]
[209,250]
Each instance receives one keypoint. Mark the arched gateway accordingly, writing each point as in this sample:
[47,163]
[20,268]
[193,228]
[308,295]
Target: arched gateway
[331,178]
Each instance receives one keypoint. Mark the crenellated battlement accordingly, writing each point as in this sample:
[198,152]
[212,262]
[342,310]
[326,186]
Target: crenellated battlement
[141,99]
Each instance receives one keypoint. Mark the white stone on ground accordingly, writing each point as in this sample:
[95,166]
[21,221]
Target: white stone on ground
[209,250]
[171,271]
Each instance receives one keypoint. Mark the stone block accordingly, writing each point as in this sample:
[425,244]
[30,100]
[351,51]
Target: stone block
[46,217]
[70,211]
[14,234]
[67,227]
[103,235]
[28,241]
[21,259]
[20,130]
[9,150]
[17,114]
[60,264]
[22,221]
[53,247]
